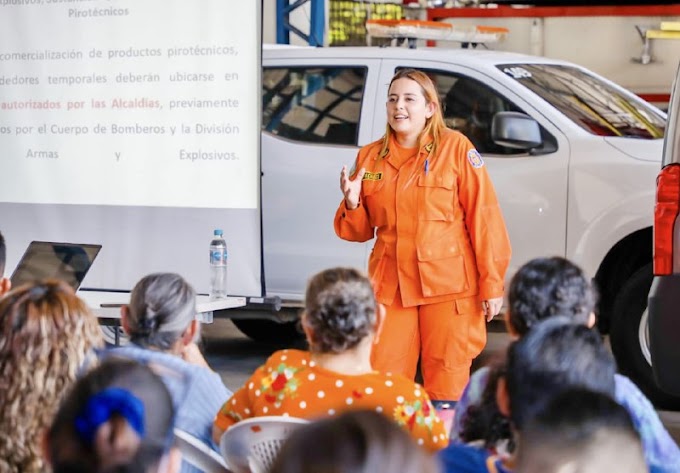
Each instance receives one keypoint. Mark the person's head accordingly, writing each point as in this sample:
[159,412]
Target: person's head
[555,355]
[161,313]
[118,417]
[413,108]
[340,310]
[46,335]
[545,287]
[354,442]
[583,431]
[483,420]
[5,284]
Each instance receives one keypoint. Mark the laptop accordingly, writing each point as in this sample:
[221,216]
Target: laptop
[69,262]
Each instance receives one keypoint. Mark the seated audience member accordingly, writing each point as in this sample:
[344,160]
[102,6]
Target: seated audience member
[5,283]
[46,335]
[341,321]
[353,442]
[554,356]
[118,417]
[580,431]
[541,289]
[160,321]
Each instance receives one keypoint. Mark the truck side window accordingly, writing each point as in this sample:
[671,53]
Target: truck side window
[469,107]
[313,104]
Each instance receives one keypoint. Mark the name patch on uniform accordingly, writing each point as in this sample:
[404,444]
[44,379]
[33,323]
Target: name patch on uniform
[475,159]
[372,176]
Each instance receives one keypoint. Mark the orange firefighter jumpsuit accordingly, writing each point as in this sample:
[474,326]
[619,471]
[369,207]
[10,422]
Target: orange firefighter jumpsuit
[441,249]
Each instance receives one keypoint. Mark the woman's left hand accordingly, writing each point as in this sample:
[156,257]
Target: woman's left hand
[492,307]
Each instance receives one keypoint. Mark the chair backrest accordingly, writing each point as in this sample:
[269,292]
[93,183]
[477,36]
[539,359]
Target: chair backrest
[251,445]
[197,453]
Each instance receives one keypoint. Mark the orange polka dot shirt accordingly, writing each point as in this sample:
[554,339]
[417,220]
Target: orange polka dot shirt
[290,384]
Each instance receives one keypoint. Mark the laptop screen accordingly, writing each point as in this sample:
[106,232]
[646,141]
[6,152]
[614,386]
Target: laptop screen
[66,261]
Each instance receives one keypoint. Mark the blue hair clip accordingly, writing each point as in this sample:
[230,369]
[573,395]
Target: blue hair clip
[103,405]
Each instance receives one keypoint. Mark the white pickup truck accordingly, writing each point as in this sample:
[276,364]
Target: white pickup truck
[573,157]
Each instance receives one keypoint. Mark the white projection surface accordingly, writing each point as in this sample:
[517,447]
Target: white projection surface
[133,124]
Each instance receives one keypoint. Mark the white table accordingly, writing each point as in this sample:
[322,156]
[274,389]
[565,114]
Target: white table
[106,305]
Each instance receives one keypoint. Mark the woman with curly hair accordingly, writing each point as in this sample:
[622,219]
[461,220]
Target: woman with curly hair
[342,322]
[46,335]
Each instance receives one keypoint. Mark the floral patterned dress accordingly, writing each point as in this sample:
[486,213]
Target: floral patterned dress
[290,384]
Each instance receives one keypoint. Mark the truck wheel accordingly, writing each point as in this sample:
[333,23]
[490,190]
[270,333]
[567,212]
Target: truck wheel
[268,331]
[629,337]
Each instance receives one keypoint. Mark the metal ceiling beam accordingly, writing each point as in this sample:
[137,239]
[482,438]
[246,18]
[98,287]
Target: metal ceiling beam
[316,19]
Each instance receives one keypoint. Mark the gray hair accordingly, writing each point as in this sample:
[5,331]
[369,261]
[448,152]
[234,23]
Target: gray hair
[162,305]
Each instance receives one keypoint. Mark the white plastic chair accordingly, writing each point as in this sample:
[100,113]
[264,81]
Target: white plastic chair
[197,453]
[251,446]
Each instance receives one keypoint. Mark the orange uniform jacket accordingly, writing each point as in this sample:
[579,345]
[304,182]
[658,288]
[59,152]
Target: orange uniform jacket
[440,231]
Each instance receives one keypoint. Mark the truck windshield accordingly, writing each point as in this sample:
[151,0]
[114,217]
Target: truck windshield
[593,104]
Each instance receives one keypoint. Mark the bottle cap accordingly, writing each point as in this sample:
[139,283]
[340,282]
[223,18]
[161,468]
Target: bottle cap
[218,232]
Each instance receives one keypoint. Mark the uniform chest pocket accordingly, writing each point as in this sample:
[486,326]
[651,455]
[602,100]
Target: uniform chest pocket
[436,195]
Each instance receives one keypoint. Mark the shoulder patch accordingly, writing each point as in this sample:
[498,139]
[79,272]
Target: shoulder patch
[372,176]
[475,158]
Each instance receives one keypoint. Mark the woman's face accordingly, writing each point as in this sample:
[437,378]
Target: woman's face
[407,108]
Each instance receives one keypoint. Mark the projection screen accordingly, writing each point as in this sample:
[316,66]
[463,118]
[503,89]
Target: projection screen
[133,124]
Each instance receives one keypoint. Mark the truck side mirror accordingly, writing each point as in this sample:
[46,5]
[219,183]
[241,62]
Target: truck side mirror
[516,130]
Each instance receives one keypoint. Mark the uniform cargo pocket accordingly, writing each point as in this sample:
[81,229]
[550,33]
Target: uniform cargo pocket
[443,276]
[437,241]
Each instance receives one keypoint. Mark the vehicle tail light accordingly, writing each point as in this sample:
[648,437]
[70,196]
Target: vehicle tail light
[665,213]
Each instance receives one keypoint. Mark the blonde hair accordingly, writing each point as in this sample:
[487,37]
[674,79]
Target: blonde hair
[434,126]
[46,334]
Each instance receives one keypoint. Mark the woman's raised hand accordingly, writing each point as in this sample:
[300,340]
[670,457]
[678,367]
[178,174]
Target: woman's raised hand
[351,188]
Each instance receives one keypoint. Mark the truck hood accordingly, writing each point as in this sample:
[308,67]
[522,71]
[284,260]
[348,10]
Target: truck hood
[645,150]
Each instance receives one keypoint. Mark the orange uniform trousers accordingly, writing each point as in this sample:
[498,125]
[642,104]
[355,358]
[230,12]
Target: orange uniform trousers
[445,341]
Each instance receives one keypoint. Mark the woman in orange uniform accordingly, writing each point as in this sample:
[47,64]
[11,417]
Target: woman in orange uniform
[441,249]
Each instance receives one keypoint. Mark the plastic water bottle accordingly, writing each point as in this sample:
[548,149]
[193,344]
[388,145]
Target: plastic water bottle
[218,266]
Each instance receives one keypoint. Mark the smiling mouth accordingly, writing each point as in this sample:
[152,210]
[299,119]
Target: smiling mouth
[400,117]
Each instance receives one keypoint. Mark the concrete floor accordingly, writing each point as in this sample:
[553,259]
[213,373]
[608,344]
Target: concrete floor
[235,357]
